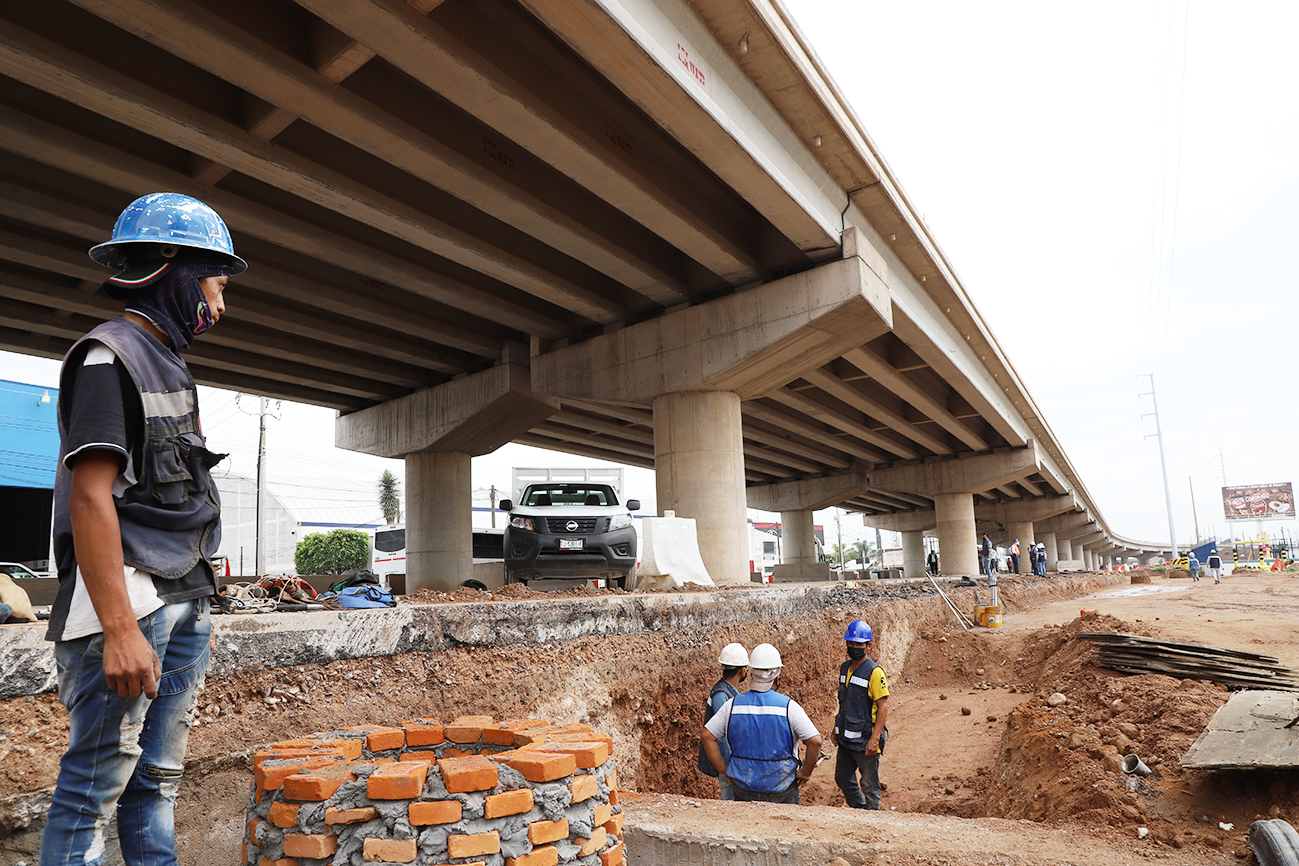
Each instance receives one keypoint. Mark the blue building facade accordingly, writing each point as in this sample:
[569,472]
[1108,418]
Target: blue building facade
[29,454]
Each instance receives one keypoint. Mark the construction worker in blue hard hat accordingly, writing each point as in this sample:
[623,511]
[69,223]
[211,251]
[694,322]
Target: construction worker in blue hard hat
[735,666]
[136,521]
[859,728]
[763,728]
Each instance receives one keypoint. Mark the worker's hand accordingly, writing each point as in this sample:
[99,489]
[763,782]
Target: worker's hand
[131,667]
[800,778]
[873,747]
[834,738]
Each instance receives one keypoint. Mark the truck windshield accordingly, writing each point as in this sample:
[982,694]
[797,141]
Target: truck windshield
[569,494]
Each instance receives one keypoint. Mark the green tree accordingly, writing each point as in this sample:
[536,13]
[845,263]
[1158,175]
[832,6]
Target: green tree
[390,497]
[339,551]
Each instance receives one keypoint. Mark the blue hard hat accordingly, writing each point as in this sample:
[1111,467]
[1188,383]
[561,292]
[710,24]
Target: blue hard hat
[156,226]
[858,632]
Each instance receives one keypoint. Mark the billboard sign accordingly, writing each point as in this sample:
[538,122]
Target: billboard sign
[1259,502]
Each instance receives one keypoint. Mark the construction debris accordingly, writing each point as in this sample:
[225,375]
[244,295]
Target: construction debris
[1143,655]
[1255,729]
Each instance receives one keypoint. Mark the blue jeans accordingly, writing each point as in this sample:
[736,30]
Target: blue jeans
[847,763]
[727,789]
[126,754]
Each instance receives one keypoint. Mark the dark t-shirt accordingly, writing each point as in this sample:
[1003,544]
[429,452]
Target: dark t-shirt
[105,414]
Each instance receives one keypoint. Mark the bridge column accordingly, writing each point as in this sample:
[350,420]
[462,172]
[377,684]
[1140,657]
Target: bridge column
[956,538]
[699,466]
[437,430]
[797,538]
[1052,550]
[913,554]
[1063,548]
[1089,559]
[439,517]
[1024,532]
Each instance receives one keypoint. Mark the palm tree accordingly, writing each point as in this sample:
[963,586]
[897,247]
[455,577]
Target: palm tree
[390,497]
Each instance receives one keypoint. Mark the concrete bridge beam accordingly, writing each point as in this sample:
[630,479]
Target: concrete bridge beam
[806,494]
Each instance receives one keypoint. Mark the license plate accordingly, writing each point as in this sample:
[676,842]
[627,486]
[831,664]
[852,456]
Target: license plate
[571,543]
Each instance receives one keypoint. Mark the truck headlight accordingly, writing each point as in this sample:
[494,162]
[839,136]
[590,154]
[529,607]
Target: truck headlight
[619,521]
[521,523]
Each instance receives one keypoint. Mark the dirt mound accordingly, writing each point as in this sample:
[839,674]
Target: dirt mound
[1064,762]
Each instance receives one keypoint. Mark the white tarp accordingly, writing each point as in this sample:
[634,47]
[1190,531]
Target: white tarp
[670,556]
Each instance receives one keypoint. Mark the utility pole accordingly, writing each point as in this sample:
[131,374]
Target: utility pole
[260,557]
[839,530]
[1194,516]
[493,497]
[1163,463]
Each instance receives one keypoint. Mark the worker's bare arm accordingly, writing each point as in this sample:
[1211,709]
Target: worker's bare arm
[877,731]
[131,666]
[713,751]
[812,752]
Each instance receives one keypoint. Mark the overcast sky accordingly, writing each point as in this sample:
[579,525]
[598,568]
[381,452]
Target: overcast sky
[1115,185]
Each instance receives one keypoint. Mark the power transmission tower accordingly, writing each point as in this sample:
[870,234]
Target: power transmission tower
[1163,464]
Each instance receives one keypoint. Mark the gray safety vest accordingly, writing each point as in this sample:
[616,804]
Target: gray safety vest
[170,516]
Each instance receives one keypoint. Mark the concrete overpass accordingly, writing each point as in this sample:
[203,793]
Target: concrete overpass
[648,231]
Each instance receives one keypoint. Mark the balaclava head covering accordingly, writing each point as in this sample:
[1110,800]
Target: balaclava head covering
[172,298]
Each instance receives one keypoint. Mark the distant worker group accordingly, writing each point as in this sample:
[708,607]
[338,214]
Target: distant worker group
[750,740]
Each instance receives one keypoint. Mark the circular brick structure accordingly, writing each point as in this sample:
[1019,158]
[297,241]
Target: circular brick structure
[521,792]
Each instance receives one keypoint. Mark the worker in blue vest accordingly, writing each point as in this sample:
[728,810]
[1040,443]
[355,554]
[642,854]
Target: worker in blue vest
[859,729]
[763,728]
[1215,565]
[735,666]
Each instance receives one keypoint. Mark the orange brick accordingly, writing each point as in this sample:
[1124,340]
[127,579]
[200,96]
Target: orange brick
[428,757]
[423,732]
[243,852]
[262,757]
[547,831]
[472,773]
[253,824]
[318,784]
[612,778]
[316,846]
[587,755]
[386,738]
[543,766]
[403,780]
[503,733]
[537,735]
[390,850]
[509,803]
[435,812]
[350,746]
[456,753]
[467,729]
[614,796]
[572,737]
[283,861]
[335,815]
[612,857]
[547,855]
[273,772]
[614,824]
[586,847]
[464,863]
[584,788]
[284,815]
[602,813]
[471,846]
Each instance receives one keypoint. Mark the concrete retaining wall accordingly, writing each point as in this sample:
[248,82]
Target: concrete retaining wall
[515,793]
[256,641]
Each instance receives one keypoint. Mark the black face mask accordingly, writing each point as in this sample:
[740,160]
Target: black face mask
[856,653]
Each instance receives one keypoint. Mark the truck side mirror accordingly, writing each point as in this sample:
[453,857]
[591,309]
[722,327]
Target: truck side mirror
[633,505]
[506,505]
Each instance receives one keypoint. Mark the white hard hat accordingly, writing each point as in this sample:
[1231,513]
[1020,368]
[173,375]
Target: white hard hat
[765,657]
[733,656]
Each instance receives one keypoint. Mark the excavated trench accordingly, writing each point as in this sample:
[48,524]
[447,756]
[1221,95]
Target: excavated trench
[970,734]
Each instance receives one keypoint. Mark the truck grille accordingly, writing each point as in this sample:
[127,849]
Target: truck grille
[561,525]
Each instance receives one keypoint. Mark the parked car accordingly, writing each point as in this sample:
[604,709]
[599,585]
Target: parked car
[562,529]
[40,588]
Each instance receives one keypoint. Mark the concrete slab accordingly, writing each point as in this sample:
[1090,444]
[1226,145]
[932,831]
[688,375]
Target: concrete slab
[1255,729]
